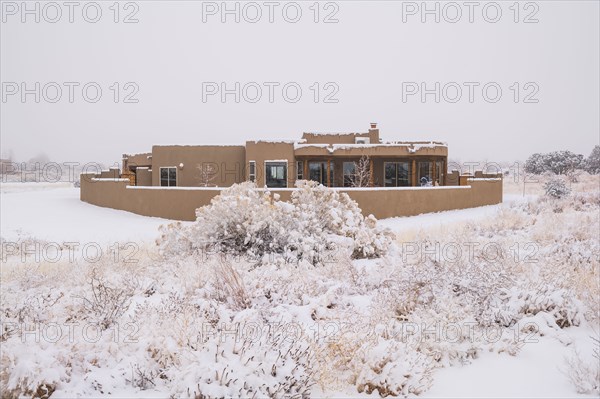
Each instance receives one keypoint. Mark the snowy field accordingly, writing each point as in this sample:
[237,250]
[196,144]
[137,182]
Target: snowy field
[43,286]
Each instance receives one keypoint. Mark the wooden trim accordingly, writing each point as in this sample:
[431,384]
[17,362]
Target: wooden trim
[413,173]
[329,173]
[306,177]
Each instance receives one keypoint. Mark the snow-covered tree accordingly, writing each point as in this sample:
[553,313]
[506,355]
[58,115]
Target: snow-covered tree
[208,173]
[592,163]
[362,173]
[557,162]
[535,164]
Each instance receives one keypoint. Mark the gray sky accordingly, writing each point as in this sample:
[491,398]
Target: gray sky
[376,54]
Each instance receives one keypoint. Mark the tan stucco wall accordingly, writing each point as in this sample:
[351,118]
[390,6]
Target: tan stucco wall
[143,177]
[112,173]
[340,138]
[181,203]
[227,162]
[135,160]
[452,178]
[358,150]
[414,201]
[261,151]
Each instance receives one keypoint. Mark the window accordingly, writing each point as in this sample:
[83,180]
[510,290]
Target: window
[299,170]
[439,173]
[252,171]
[424,173]
[276,173]
[168,177]
[349,169]
[318,172]
[397,174]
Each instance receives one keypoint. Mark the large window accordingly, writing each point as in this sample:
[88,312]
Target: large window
[397,174]
[318,172]
[168,177]
[349,173]
[276,173]
[424,173]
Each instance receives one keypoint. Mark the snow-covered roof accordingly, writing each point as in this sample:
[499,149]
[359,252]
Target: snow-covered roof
[412,146]
[274,141]
[337,133]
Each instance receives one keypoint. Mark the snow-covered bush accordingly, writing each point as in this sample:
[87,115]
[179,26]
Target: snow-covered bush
[229,287]
[337,214]
[520,302]
[584,374]
[105,304]
[314,226]
[271,365]
[556,188]
[392,368]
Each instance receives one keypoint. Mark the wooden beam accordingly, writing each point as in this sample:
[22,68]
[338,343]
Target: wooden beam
[413,173]
[328,173]
[371,170]
[305,174]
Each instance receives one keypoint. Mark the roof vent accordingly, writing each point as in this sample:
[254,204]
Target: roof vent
[362,140]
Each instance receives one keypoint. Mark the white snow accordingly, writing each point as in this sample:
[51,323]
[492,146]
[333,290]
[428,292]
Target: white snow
[54,212]
[536,372]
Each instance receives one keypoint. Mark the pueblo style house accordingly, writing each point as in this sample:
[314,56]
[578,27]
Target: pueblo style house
[386,179]
[332,159]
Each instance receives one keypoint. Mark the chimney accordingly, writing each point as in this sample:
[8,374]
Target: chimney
[374,133]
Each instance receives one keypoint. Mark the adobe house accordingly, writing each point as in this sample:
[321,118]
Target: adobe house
[332,159]
[394,178]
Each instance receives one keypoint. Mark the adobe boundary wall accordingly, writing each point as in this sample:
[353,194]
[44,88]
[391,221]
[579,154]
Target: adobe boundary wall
[180,203]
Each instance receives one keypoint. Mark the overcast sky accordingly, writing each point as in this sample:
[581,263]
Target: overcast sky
[369,66]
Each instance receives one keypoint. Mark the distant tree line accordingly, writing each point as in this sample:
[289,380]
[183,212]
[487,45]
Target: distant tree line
[563,162]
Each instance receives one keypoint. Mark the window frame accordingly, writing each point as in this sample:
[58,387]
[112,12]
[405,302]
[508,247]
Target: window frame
[439,173]
[323,172]
[299,170]
[397,179]
[429,173]
[160,179]
[349,181]
[284,164]
[251,172]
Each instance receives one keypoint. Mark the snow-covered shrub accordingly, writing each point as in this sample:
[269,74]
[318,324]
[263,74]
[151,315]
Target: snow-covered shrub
[270,365]
[585,375]
[520,302]
[392,368]
[556,188]
[337,214]
[316,224]
[229,287]
[106,304]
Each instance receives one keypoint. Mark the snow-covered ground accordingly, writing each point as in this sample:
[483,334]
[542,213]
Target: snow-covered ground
[54,213]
